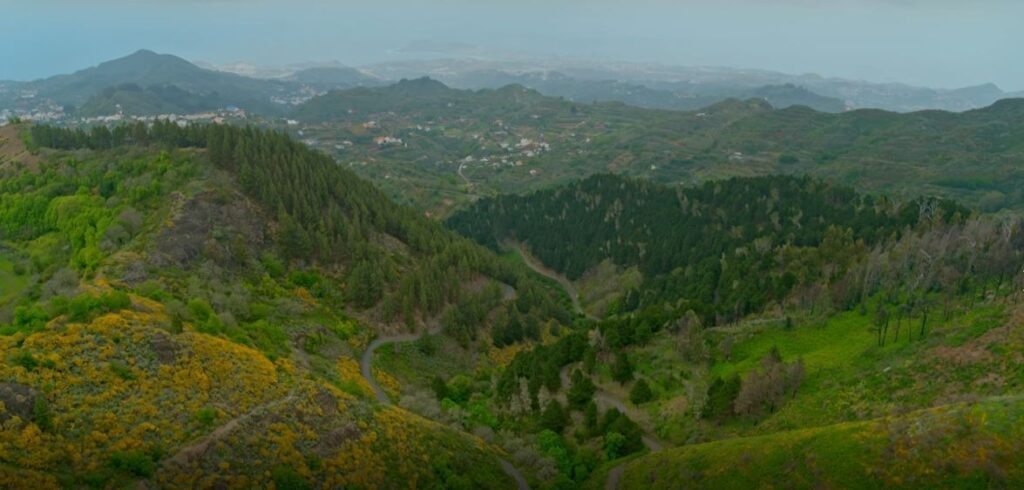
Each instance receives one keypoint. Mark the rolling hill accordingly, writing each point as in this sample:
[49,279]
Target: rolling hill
[148,69]
[171,311]
[438,148]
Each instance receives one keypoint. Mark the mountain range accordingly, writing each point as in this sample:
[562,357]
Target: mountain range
[147,83]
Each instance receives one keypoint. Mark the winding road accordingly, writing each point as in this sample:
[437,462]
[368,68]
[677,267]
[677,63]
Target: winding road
[602,398]
[366,367]
[366,361]
[541,269]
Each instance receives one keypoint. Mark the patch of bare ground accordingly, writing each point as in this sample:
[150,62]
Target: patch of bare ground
[13,150]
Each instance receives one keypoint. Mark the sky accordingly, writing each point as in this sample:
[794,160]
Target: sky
[935,43]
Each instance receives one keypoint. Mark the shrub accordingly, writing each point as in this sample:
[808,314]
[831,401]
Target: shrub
[134,462]
[122,371]
[641,393]
[286,478]
[554,417]
[41,414]
[26,360]
[614,444]
[205,416]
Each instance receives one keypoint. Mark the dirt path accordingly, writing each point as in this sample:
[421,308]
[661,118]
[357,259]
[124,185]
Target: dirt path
[541,269]
[613,478]
[195,451]
[516,475]
[366,367]
[605,400]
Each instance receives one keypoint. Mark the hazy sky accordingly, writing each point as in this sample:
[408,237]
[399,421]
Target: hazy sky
[939,43]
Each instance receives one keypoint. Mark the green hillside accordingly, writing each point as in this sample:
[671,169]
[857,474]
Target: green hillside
[178,302]
[148,69]
[174,309]
[133,100]
[721,248]
[955,446]
[776,315]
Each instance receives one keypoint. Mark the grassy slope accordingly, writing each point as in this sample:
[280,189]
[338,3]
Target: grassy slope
[958,446]
[11,283]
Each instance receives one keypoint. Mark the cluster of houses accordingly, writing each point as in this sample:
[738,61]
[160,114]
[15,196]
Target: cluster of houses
[45,113]
[217,117]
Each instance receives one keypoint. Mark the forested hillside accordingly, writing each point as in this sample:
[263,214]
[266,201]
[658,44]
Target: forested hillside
[725,249]
[169,290]
[784,315]
[136,257]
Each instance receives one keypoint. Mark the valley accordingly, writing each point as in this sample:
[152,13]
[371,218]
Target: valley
[451,267]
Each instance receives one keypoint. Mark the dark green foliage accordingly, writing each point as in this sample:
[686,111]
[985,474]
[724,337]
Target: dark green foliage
[136,463]
[590,419]
[622,368]
[540,367]
[581,393]
[41,414]
[25,359]
[462,320]
[206,416]
[615,422]
[440,388]
[554,417]
[717,246]
[721,395]
[641,392]
[287,478]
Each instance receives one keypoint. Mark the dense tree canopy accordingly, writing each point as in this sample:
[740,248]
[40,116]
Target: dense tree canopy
[726,248]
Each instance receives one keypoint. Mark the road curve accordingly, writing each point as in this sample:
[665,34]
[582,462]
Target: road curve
[366,368]
[516,475]
[366,362]
[541,269]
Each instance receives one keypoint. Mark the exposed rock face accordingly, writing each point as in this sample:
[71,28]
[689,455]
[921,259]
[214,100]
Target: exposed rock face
[19,401]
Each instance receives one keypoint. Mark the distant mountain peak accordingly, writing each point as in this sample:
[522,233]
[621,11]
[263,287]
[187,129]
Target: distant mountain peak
[145,60]
[420,86]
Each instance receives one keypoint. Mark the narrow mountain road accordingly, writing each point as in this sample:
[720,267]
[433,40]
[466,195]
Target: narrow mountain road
[514,472]
[613,478]
[366,361]
[469,184]
[541,269]
[366,367]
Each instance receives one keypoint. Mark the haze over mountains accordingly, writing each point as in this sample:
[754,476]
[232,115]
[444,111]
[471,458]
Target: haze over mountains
[453,265]
[146,83]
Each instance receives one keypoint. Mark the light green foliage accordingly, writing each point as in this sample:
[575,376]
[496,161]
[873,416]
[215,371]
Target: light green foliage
[941,451]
